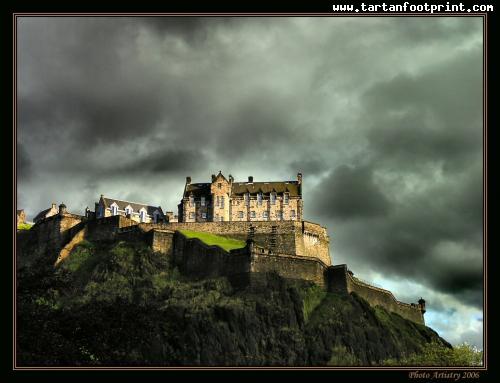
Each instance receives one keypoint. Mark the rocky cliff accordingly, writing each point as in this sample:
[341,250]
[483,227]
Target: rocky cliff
[122,304]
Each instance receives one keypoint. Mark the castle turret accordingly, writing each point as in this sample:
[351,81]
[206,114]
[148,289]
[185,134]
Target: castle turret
[421,304]
[188,180]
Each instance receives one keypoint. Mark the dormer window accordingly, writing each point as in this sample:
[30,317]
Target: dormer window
[142,215]
[114,209]
[128,210]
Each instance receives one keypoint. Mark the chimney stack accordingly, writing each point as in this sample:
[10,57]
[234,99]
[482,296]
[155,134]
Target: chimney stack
[250,179]
[53,205]
[299,178]
[213,177]
[188,180]
[62,208]
[231,179]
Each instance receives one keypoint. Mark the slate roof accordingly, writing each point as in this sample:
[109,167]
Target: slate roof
[240,188]
[134,205]
[198,190]
[41,215]
[292,187]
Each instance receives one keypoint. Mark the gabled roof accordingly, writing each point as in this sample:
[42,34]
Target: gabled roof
[292,187]
[41,215]
[197,190]
[134,205]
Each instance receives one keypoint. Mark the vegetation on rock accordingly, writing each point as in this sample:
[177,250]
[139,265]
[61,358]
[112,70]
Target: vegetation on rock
[122,304]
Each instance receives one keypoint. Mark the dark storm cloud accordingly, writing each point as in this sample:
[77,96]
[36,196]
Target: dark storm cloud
[350,192]
[23,162]
[164,162]
[423,147]
[382,115]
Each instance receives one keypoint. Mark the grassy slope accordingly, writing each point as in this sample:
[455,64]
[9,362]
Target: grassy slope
[121,304]
[212,239]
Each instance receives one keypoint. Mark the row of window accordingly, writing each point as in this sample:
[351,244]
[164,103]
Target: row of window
[219,202]
[253,214]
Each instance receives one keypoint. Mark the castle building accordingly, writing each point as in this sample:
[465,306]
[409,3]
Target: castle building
[21,217]
[46,213]
[226,200]
[139,212]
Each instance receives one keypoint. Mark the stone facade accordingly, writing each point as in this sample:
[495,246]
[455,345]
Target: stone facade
[304,239]
[225,200]
[21,217]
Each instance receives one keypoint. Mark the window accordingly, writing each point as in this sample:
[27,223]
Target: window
[285,198]
[252,214]
[292,213]
[114,210]
[202,201]
[240,214]
[204,215]
[264,215]
[247,199]
[219,185]
[221,219]
[259,198]
[273,198]
[191,200]
[143,216]
[128,211]
[191,215]
[222,201]
[279,215]
[217,203]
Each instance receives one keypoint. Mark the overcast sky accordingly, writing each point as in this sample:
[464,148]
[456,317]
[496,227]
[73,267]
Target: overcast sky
[383,116]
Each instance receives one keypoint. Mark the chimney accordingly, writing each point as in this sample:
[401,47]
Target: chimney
[213,177]
[62,208]
[231,179]
[53,206]
[250,179]
[421,303]
[188,180]
[299,178]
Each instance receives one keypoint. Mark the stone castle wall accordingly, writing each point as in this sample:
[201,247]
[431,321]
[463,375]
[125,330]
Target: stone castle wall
[284,237]
[340,280]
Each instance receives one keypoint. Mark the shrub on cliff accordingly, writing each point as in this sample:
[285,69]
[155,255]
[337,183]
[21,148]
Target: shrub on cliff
[434,354]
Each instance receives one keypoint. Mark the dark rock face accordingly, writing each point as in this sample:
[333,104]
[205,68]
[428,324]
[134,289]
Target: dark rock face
[121,304]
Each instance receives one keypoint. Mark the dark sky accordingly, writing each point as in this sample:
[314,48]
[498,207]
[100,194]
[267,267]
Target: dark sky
[383,116]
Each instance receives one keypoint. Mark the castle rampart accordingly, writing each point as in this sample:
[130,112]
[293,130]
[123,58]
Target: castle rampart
[342,281]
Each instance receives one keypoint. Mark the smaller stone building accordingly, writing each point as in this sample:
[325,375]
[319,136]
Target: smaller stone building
[139,212]
[53,210]
[21,217]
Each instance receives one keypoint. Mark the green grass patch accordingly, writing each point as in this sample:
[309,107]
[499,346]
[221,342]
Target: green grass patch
[312,297]
[24,226]
[212,239]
